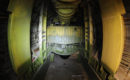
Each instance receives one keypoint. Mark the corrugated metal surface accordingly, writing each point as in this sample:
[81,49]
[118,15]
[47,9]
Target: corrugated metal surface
[123,72]
[126,54]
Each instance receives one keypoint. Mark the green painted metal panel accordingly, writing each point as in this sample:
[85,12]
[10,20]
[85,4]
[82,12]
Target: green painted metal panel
[19,35]
[64,40]
[64,34]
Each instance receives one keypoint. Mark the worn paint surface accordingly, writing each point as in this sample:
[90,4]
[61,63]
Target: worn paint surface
[64,35]
[113,33]
[64,40]
[19,34]
[44,33]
